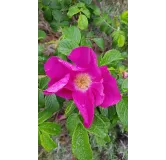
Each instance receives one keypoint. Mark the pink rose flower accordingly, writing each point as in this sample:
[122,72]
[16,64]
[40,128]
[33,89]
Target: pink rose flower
[84,82]
[125,75]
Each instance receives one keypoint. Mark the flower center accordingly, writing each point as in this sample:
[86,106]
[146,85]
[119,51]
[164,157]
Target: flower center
[82,81]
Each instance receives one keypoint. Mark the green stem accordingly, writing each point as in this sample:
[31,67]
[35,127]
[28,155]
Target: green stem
[108,24]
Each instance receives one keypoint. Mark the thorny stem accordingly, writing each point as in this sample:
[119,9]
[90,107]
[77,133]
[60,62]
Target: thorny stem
[108,24]
[98,4]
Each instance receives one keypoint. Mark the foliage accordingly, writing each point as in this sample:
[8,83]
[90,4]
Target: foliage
[78,22]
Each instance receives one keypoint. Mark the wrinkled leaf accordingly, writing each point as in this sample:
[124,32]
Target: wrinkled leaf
[58,16]
[96,9]
[43,82]
[98,127]
[124,17]
[73,10]
[82,22]
[80,144]
[86,1]
[48,14]
[86,42]
[81,5]
[43,116]
[72,33]
[111,112]
[47,142]
[125,85]
[72,122]
[51,103]
[121,40]
[40,49]
[70,106]
[122,111]
[40,68]
[66,46]
[100,141]
[110,56]
[99,42]
[105,120]
[51,128]
[86,12]
[41,35]
[41,100]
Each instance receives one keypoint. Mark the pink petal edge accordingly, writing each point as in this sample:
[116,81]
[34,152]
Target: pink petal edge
[85,104]
[111,91]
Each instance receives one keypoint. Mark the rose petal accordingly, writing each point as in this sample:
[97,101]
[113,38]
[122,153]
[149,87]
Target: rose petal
[97,90]
[85,57]
[54,88]
[111,91]
[57,68]
[85,104]
[65,93]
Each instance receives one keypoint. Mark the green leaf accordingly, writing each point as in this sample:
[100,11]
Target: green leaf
[121,40]
[105,120]
[98,127]
[111,112]
[62,56]
[82,22]
[41,100]
[98,21]
[48,14]
[43,116]
[100,141]
[96,9]
[80,144]
[86,12]
[47,142]
[51,128]
[70,106]
[124,17]
[110,56]
[99,42]
[122,111]
[125,85]
[41,35]
[90,34]
[51,103]
[55,4]
[46,2]
[104,22]
[72,33]
[86,1]
[107,138]
[40,49]
[80,5]
[41,68]
[54,25]
[72,122]
[73,10]
[66,46]
[58,16]
[43,82]
[104,111]
[42,58]
[64,23]
[86,42]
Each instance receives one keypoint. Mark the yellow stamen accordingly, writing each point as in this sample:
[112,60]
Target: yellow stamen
[82,81]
